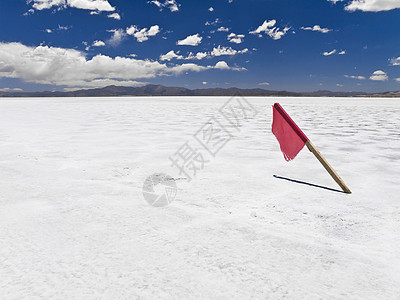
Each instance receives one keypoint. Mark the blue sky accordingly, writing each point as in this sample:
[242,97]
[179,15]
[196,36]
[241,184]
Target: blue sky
[348,45]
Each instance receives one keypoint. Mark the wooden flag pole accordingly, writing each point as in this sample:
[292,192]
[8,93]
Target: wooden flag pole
[328,167]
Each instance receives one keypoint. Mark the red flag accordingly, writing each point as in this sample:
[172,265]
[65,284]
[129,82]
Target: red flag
[288,134]
[292,140]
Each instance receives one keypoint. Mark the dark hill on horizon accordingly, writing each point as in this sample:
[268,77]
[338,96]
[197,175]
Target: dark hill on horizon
[160,90]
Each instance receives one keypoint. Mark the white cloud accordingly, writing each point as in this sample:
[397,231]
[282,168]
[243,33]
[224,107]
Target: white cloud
[397,79]
[115,16]
[369,5]
[59,28]
[142,35]
[334,51]
[93,5]
[64,27]
[235,38]
[117,37]
[395,61]
[222,65]
[11,90]
[69,67]
[215,22]
[99,83]
[201,55]
[211,9]
[29,12]
[191,40]
[222,28]
[46,4]
[98,44]
[187,67]
[219,51]
[264,27]
[198,56]
[264,83]
[204,82]
[338,84]
[355,77]
[172,5]
[329,53]
[170,55]
[99,5]
[373,5]
[268,27]
[379,75]
[317,28]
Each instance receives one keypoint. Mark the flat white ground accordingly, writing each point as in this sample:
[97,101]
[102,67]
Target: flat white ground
[74,223]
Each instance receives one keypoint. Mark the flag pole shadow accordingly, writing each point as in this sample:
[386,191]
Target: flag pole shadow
[310,184]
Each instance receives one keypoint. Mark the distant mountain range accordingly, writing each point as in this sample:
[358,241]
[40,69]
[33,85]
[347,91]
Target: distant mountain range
[160,90]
